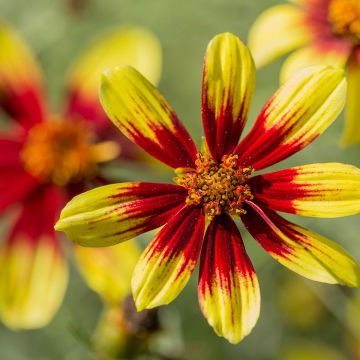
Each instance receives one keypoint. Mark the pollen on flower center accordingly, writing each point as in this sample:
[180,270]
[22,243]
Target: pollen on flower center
[63,152]
[344,16]
[218,187]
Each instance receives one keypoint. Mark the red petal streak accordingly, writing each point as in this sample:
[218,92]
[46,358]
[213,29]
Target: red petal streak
[228,286]
[110,214]
[277,189]
[181,235]
[303,251]
[223,254]
[38,216]
[174,148]
[260,225]
[15,183]
[222,132]
[263,146]
[169,260]
[23,104]
[158,202]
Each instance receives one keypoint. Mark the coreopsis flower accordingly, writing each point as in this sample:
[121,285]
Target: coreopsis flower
[217,183]
[327,33]
[46,158]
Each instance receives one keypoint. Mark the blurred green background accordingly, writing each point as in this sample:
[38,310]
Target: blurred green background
[295,313]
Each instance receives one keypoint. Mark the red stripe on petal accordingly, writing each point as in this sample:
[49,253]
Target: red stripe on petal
[173,147]
[33,268]
[228,288]
[321,190]
[227,89]
[169,260]
[296,115]
[39,213]
[261,227]
[15,183]
[21,90]
[137,108]
[114,213]
[301,250]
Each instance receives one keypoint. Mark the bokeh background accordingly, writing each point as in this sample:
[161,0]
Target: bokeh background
[299,319]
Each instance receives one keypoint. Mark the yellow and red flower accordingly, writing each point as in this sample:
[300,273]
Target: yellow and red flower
[45,159]
[327,33]
[216,183]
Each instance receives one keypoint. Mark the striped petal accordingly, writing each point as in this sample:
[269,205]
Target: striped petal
[302,251]
[351,133]
[167,263]
[321,190]
[131,45]
[277,31]
[332,54]
[295,116]
[21,94]
[15,183]
[137,108]
[108,270]
[33,270]
[228,86]
[114,213]
[229,294]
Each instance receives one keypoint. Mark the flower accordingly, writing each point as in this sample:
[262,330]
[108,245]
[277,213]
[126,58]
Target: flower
[327,33]
[45,159]
[217,183]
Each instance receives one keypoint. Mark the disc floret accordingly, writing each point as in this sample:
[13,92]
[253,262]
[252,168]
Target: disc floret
[218,187]
[344,16]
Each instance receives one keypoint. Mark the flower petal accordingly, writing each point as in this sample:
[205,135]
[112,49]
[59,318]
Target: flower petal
[32,267]
[321,190]
[351,133]
[228,86]
[137,108]
[131,45]
[277,31]
[295,116]
[229,294]
[168,261]
[332,54]
[21,93]
[114,213]
[108,270]
[303,251]
[15,183]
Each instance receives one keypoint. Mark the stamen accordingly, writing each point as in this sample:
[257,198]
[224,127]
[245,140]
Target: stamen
[344,16]
[218,187]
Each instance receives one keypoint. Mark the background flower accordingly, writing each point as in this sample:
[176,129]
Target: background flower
[46,159]
[326,31]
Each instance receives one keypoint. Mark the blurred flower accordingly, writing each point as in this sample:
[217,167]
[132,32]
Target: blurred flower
[327,32]
[45,159]
[216,183]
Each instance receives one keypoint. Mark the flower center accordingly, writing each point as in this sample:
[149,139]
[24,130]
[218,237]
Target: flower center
[344,16]
[218,187]
[64,151]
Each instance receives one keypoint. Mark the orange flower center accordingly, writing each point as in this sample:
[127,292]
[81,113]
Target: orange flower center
[63,152]
[217,187]
[344,16]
